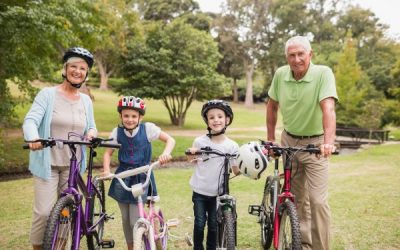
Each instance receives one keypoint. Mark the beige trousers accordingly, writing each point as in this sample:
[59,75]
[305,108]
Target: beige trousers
[45,195]
[310,187]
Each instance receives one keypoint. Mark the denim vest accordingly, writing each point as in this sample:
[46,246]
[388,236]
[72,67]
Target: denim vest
[134,152]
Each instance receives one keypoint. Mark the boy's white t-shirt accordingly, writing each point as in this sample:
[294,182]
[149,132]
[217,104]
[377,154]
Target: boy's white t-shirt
[208,175]
[152,132]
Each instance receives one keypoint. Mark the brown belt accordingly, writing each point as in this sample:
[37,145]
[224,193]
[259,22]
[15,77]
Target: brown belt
[302,137]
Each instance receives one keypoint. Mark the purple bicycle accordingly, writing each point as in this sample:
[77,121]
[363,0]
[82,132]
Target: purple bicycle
[69,221]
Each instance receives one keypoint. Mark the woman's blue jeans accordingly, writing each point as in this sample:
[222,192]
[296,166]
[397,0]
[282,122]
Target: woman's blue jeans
[205,210]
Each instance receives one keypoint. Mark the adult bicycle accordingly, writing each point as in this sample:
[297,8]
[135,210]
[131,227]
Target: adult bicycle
[277,213]
[151,230]
[69,221]
[226,203]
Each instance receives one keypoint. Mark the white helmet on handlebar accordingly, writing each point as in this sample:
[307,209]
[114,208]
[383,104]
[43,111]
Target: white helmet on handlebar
[252,162]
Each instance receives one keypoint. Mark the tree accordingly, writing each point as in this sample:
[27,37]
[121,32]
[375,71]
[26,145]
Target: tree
[174,63]
[231,49]
[166,10]
[32,38]
[251,17]
[359,103]
[115,22]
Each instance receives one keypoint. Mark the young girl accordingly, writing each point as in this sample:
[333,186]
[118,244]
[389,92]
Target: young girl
[135,139]
[205,184]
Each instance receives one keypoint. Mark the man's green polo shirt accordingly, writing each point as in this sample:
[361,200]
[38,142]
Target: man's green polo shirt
[299,101]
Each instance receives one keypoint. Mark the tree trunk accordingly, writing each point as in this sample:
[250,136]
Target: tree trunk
[248,102]
[235,91]
[103,76]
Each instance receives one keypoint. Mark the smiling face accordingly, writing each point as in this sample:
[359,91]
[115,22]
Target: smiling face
[298,59]
[76,71]
[216,119]
[130,118]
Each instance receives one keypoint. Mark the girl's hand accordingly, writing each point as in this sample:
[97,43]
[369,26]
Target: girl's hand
[164,158]
[105,174]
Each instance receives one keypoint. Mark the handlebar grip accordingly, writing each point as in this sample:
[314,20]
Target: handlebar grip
[109,145]
[25,146]
[188,152]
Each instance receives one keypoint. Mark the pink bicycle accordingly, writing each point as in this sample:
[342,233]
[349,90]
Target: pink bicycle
[151,230]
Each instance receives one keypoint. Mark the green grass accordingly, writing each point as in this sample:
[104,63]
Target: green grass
[363,196]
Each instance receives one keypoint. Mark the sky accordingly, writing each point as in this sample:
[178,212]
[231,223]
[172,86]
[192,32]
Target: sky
[386,10]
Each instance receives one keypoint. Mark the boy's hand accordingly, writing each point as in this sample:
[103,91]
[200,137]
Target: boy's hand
[190,153]
[164,158]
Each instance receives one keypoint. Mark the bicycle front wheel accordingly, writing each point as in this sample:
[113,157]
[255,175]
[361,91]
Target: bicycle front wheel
[59,231]
[140,240]
[96,211]
[289,232]
[160,229]
[267,212]
[227,231]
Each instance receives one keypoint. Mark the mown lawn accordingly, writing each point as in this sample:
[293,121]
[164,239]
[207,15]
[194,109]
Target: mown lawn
[364,200]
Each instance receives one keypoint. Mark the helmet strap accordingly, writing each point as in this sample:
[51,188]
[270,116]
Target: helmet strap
[77,86]
[216,134]
[128,129]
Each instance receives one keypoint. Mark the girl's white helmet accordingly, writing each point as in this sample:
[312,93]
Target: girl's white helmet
[252,161]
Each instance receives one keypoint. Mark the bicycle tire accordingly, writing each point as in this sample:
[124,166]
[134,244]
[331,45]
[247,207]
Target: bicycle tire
[160,226]
[59,231]
[226,231]
[140,238]
[96,210]
[267,213]
[289,232]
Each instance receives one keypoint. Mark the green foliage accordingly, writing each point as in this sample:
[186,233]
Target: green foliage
[174,63]
[166,10]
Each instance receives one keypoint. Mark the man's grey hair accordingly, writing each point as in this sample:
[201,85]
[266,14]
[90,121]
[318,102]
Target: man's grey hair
[298,40]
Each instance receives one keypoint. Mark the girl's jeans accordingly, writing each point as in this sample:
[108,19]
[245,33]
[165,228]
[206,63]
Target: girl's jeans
[204,208]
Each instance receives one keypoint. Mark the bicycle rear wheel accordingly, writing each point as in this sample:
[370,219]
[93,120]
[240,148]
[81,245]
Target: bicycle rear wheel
[96,211]
[267,212]
[59,231]
[289,232]
[227,231]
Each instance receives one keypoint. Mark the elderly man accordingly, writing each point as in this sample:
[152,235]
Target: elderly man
[306,95]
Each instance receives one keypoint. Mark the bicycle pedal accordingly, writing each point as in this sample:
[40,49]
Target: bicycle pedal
[107,243]
[109,217]
[173,223]
[254,210]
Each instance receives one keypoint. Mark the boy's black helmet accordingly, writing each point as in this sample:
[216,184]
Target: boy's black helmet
[79,52]
[219,104]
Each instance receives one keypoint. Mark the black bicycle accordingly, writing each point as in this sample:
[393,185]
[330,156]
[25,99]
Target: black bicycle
[277,213]
[69,221]
[226,203]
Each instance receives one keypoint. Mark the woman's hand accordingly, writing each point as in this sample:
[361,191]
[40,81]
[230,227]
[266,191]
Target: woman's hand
[91,134]
[35,145]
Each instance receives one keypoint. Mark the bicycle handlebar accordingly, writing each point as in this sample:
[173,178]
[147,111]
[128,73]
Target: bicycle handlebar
[94,143]
[208,151]
[310,148]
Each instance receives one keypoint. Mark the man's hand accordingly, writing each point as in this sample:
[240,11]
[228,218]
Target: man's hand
[327,149]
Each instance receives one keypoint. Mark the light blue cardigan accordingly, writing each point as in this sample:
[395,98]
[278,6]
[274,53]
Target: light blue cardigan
[37,125]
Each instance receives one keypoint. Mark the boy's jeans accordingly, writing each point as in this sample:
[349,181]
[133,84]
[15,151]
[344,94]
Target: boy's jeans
[205,209]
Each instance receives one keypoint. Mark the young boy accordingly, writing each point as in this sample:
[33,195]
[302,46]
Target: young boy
[135,139]
[205,181]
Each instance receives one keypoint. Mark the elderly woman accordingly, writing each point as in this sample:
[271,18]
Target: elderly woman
[55,112]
